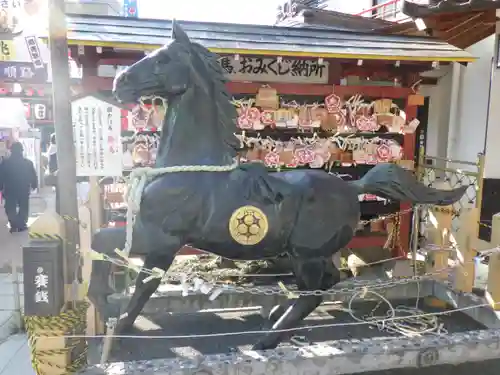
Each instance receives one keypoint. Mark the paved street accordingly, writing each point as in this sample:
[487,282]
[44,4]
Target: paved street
[15,356]
[14,349]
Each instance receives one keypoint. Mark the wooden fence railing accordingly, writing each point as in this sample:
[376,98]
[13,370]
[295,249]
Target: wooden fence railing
[452,256]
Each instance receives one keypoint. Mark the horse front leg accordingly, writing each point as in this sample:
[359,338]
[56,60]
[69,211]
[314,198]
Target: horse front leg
[105,241]
[311,274]
[144,290]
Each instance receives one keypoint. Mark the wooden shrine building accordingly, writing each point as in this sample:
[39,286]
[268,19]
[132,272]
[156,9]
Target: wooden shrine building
[304,65]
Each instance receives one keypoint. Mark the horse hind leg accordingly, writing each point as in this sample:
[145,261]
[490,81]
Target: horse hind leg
[311,274]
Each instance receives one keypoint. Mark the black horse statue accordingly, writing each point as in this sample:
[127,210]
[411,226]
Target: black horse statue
[244,213]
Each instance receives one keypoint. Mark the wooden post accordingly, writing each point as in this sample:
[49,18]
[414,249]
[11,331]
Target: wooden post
[493,288]
[66,174]
[85,241]
[464,272]
[95,207]
[441,220]
[440,237]
[95,203]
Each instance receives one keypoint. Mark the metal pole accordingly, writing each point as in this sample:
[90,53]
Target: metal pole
[66,159]
[479,189]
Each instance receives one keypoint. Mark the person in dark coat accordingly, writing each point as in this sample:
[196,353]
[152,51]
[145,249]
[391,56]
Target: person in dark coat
[17,179]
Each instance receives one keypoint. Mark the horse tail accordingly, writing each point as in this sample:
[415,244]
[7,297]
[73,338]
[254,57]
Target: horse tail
[391,181]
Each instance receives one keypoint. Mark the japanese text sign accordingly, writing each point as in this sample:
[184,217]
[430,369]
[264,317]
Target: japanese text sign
[43,278]
[274,69]
[97,132]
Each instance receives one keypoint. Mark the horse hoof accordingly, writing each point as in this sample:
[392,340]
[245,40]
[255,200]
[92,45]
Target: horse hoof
[259,346]
[276,313]
[123,326]
[265,312]
[263,346]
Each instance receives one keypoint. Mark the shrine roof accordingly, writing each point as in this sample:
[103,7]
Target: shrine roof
[428,8]
[459,23]
[304,16]
[225,38]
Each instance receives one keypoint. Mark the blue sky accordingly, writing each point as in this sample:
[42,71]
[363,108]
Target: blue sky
[233,11]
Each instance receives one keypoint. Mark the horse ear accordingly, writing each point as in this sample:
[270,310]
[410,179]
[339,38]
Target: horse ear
[178,34]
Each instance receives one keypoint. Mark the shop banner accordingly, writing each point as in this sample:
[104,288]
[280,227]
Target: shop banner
[23,72]
[130,8]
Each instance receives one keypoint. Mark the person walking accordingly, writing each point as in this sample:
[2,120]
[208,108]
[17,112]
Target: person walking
[52,154]
[17,179]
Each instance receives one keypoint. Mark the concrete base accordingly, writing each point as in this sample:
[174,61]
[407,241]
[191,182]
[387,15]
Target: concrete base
[484,315]
[344,356]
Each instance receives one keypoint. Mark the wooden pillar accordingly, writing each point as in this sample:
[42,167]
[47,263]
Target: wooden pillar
[334,72]
[66,174]
[85,241]
[93,212]
[409,154]
[493,288]
[463,278]
[90,62]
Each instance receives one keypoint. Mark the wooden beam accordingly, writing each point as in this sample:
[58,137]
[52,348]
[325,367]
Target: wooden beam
[251,88]
[429,81]
[118,60]
[472,36]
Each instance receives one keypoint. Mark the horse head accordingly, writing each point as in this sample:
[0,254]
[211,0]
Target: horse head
[192,81]
[165,72]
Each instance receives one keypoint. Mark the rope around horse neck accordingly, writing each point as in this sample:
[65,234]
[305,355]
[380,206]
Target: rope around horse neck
[138,180]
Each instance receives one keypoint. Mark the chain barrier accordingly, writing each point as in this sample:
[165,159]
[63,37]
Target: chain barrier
[215,288]
[413,321]
[198,284]
[183,278]
[294,329]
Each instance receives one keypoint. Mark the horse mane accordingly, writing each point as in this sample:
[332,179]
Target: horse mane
[214,80]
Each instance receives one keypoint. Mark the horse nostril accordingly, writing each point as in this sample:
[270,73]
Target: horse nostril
[125,77]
